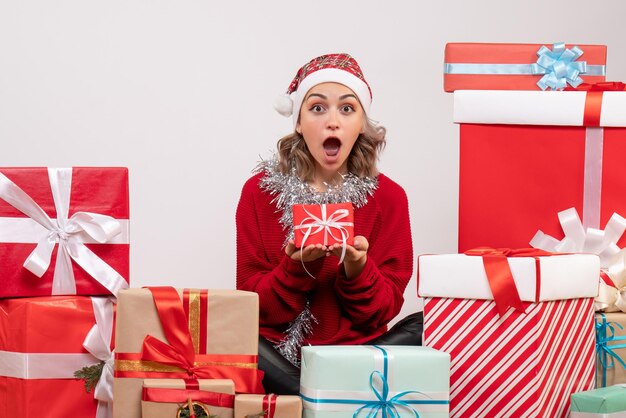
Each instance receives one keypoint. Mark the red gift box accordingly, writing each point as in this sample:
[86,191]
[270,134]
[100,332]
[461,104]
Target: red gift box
[518,364]
[527,156]
[325,224]
[41,346]
[59,223]
[490,66]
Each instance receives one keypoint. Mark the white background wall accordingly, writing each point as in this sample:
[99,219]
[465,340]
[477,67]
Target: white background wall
[181,93]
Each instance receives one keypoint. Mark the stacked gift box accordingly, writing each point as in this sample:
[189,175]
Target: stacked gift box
[64,250]
[533,160]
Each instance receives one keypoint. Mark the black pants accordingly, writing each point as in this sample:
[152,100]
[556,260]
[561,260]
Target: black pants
[283,378]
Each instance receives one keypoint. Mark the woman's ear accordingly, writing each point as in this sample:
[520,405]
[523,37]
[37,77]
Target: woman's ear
[298,129]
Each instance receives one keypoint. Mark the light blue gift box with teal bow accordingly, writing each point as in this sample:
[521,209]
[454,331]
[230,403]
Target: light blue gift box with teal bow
[374,381]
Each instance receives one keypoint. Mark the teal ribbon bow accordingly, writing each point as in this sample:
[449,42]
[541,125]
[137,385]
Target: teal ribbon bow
[559,67]
[605,334]
[387,406]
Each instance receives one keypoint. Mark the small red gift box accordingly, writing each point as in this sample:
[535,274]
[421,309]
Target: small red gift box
[42,345]
[63,231]
[527,156]
[325,224]
[490,66]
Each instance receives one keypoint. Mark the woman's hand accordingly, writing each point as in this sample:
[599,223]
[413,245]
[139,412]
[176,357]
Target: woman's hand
[308,253]
[356,256]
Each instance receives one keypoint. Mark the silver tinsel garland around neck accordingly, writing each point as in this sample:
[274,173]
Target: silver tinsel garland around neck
[288,190]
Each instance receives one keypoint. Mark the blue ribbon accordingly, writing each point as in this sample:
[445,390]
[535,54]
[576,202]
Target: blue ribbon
[605,333]
[388,407]
[558,67]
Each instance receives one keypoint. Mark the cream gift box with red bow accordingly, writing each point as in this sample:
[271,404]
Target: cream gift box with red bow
[63,231]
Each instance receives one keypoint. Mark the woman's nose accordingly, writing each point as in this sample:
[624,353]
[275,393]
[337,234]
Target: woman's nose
[333,120]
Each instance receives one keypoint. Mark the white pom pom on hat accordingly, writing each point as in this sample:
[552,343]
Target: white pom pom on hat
[330,68]
[284,105]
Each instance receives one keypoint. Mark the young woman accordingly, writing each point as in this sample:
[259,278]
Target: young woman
[305,295]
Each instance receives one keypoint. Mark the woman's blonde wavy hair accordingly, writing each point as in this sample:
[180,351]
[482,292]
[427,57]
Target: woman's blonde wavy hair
[294,155]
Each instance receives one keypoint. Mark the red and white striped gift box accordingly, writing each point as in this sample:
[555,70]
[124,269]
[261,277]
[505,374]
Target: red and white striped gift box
[519,364]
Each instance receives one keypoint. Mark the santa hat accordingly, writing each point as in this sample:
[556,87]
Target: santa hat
[330,68]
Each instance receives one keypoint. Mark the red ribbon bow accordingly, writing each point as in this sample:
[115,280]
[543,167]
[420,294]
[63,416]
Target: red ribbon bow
[505,294]
[593,101]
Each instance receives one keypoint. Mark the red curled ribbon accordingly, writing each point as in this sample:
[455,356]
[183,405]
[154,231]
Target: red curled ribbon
[269,405]
[499,276]
[222,400]
[593,100]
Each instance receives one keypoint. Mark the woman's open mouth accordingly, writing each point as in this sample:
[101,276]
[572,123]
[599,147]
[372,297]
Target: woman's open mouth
[331,146]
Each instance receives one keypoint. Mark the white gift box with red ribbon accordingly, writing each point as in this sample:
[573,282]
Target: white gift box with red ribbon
[525,361]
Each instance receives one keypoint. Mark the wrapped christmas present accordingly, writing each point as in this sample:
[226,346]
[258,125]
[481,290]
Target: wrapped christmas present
[608,402]
[500,66]
[184,334]
[268,406]
[56,357]
[394,381]
[63,231]
[325,224]
[528,156]
[518,325]
[176,398]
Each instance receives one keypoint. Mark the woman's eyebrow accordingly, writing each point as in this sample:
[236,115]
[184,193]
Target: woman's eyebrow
[345,96]
[318,95]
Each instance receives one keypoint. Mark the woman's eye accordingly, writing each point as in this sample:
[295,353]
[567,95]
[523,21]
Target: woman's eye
[317,108]
[347,108]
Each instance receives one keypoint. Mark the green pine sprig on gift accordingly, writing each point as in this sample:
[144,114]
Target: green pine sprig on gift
[91,375]
[198,411]
[259,415]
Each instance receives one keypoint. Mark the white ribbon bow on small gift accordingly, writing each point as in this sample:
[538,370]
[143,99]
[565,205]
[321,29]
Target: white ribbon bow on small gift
[593,241]
[69,233]
[98,343]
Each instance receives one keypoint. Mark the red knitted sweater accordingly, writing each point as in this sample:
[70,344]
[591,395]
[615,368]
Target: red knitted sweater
[348,311]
